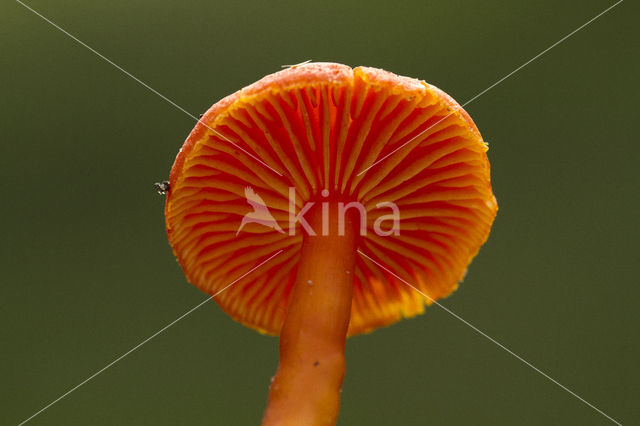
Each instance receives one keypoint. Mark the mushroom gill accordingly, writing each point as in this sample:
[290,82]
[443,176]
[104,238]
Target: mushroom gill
[318,127]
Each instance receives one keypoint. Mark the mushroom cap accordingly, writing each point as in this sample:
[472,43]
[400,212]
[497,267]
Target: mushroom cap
[319,126]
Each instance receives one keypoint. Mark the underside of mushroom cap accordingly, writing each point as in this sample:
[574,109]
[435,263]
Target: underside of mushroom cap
[324,126]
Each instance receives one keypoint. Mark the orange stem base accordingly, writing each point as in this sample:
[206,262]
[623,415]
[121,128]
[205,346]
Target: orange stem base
[306,388]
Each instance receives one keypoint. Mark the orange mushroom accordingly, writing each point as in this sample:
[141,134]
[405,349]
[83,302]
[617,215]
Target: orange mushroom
[321,161]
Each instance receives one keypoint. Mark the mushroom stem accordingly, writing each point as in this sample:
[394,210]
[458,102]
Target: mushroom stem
[306,387]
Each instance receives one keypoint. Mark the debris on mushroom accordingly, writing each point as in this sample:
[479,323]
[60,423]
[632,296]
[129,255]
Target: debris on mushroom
[161,187]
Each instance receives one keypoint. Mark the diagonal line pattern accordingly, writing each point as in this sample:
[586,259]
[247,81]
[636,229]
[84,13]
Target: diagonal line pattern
[146,86]
[494,85]
[136,347]
[492,340]
[275,171]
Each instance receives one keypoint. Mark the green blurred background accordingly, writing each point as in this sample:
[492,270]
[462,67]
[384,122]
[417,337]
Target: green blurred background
[87,272]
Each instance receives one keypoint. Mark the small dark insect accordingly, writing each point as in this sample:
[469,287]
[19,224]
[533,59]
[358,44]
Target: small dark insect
[161,187]
[200,116]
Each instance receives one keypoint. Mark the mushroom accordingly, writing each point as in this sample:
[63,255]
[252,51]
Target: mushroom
[358,169]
